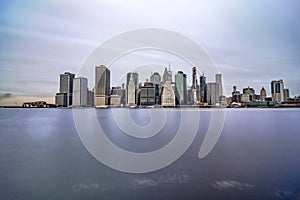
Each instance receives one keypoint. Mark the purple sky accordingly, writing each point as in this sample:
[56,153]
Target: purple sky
[251,42]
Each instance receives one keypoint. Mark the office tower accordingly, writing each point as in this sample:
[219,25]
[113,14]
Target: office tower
[277,91]
[213,93]
[80,91]
[219,81]
[180,88]
[132,84]
[167,76]
[263,94]
[168,96]
[236,96]
[286,94]
[203,90]
[147,94]
[90,98]
[64,97]
[131,92]
[249,93]
[102,86]
[118,96]
[194,78]
[155,78]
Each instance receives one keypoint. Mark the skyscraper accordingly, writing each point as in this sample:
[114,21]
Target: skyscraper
[168,96]
[213,93]
[277,90]
[167,76]
[155,78]
[236,95]
[219,81]
[180,88]
[132,84]
[194,78]
[203,91]
[102,86]
[64,97]
[80,91]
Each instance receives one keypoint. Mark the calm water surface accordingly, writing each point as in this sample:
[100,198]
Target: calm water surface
[256,157]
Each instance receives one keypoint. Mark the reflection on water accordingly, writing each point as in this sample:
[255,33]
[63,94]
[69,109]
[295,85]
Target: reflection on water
[256,157]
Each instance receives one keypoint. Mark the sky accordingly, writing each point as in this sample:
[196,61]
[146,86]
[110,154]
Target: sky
[251,42]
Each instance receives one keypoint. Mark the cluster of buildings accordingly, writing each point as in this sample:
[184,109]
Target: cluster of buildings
[248,97]
[161,91]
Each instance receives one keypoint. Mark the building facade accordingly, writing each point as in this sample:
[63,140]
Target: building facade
[64,97]
[263,94]
[167,76]
[180,88]
[132,84]
[213,94]
[80,91]
[219,81]
[147,94]
[168,95]
[277,90]
[102,86]
[155,78]
[203,89]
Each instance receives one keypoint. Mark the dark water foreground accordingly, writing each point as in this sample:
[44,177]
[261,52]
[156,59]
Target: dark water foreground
[256,157]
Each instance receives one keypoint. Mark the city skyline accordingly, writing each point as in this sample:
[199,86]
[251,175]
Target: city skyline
[74,92]
[247,44]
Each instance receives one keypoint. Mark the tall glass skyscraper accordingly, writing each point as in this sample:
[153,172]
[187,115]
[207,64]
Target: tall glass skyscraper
[203,89]
[180,88]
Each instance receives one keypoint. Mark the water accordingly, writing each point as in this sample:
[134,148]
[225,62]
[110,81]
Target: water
[256,157]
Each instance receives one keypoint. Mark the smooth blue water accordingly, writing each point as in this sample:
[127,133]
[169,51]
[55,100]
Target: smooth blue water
[256,157]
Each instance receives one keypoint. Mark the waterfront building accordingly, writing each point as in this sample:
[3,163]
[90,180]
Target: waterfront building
[245,98]
[102,86]
[180,88]
[132,85]
[219,81]
[250,92]
[263,94]
[203,89]
[277,90]
[147,94]
[236,95]
[286,94]
[90,98]
[213,94]
[64,97]
[119,94]
[80,91]
[168,95]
